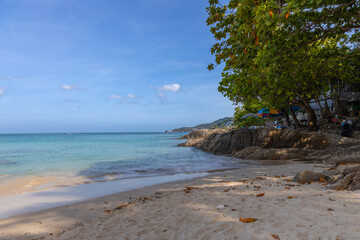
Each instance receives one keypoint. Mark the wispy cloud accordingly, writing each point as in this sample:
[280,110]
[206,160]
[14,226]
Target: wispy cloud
[171,87]
[130,95]
[124,101]
[114,96]
[72,88]
[2,90]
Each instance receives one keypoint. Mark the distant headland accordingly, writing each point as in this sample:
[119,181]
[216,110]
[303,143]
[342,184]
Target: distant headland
[220,123]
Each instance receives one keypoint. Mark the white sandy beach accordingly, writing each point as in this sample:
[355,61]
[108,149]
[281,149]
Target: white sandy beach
[210,210]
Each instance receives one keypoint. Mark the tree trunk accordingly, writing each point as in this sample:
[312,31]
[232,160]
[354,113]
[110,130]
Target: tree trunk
[329,115]
[296,121]
[321,108]
[312,119]
[286,115]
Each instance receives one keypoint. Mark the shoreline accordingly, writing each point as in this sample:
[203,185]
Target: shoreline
[66,221]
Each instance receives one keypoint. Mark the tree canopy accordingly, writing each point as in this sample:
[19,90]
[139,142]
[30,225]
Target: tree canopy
[284,52]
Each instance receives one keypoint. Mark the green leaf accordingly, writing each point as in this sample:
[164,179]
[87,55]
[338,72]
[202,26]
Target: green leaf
[318,2]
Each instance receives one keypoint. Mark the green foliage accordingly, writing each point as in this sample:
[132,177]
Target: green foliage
[283,52]
[240,122]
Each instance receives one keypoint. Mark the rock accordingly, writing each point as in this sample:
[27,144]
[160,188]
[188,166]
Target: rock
[220,207]
[307,176]
[201,133]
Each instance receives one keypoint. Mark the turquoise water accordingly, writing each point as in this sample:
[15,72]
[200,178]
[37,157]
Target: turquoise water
[100,155]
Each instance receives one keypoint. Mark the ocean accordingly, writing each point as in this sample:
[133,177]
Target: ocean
[103,156]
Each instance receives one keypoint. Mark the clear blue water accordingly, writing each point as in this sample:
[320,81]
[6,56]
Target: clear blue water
[98,155]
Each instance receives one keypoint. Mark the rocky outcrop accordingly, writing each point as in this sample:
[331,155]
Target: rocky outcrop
[273,144]
[264,143]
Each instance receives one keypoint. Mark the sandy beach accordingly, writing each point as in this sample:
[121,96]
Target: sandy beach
[209,207]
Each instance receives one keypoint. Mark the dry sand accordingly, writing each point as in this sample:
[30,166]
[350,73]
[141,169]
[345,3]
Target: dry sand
[212,210]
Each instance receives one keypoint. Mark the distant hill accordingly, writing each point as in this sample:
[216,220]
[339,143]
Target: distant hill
[223,122]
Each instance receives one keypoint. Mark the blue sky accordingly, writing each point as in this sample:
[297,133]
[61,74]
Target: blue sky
[106,65]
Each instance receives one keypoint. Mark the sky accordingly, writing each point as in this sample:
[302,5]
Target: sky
[106,66]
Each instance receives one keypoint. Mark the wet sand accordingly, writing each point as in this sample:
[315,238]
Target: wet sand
[210,209]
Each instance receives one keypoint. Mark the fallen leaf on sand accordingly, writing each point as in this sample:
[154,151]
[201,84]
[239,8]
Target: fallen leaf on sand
[287,180]
[233,209]
[290,197]
[107,211]
[331,199]
[122,206]
[187,191]
[288,188]
[275,237]
[283,175]
[277,176]
[257,186]
[330,209]
[191,188]
[260,195]
[339,188]
[260,178]
[226,190]
[247,220]
[322,180]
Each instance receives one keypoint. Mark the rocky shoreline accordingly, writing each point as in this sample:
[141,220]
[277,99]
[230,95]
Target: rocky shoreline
[340,153]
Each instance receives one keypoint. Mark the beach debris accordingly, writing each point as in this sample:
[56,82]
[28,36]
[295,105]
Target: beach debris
[220,207]
[258,187]
[248,220]
[227,190]
[233,209]
[244,181]
[287,180]
[290,197]
[260,178]
[331,199]
[260,195]
[188,189]
[288,188]
[143,199]
[107,211]
[309,176]
[276,176]
[274,236]
[122,206]
[330,209]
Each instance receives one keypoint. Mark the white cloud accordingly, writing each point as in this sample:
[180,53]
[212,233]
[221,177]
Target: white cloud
[71,87]
[171,87]
[114,96]
[130,95]
[2,90]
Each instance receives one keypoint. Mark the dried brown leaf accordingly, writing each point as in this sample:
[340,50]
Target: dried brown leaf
[260,195]
[248,220]
[275,237]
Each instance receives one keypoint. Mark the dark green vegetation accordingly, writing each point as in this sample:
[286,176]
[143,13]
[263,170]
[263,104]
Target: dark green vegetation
[279,53]
[221,123]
